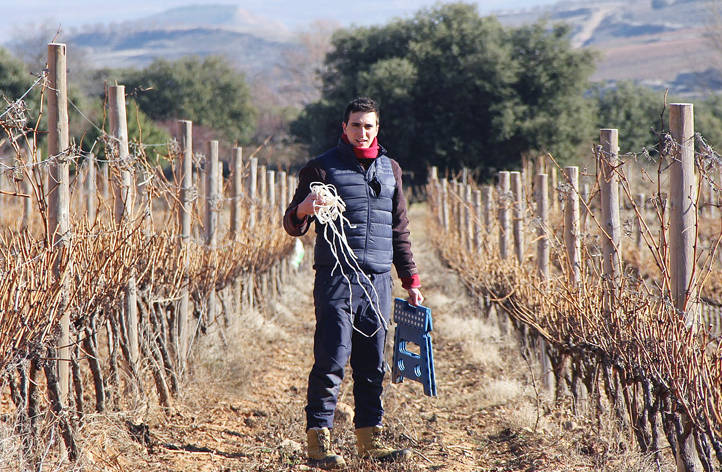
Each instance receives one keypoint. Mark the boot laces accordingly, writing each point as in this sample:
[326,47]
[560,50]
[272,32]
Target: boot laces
[324,441]
[376,442]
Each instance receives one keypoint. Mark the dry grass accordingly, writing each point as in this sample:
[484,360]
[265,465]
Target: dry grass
[98,266]
[241,408]
[480,339]
[628,336]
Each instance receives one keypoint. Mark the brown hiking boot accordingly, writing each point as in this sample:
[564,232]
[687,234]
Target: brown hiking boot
[319,450]
[368,444]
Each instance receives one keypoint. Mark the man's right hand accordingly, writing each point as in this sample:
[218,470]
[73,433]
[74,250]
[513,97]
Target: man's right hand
[305,208]
[415,297]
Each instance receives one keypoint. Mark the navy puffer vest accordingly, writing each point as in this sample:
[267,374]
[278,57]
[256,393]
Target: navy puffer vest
[369,201]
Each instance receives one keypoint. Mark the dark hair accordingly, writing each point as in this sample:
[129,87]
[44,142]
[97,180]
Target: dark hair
[364,104]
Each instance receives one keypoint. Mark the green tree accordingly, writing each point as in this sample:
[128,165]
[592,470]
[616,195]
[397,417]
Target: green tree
[635,110]
[14,77]
[207,91]
[551,113]
[457,89]
[708,121]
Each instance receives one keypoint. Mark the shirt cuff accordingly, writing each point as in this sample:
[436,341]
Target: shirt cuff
[413,281]
[295,221]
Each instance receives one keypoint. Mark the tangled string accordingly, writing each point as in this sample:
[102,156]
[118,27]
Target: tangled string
[327,209]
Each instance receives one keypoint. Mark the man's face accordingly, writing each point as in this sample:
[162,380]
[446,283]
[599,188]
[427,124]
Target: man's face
[362,128]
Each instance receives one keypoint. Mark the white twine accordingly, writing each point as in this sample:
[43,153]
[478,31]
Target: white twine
[329,209]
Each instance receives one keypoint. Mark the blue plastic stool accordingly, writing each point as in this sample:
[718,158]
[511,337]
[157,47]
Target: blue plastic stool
[413,324]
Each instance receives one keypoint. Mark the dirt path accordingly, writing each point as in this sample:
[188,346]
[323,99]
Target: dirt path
[243,408]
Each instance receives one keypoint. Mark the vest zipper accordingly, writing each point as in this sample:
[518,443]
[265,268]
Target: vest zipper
[368,213]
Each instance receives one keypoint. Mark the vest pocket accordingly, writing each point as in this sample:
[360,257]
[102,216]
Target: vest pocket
[375,187]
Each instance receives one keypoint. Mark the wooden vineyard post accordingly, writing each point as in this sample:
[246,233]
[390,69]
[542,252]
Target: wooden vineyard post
[504,222]
[555,188]
[450,207]
[445,204]
[212,197]
[505,234]
[145,174]
[123,189]
[529,173]
[682,240]
[434,190]
[123,207]
[572,239]
[458,213]
[236,190]
[282,194]
[200,169]
[459,210]
[59,200]
[278,218]
[213,200]
[252,189]
[488,197]
[683,212]
[271,202]
[292,183]
[612,229]
[236,216]
[440,203]
[517,192]
[585,208]
[452,204]
[291,190]
[467,228]
[185,130]
[271,191]
[262,191]
[541,195]
[477,220]
[91,190]
[252,218]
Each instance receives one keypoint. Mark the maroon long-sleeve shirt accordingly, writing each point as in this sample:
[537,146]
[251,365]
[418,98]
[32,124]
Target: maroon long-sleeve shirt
[403,258]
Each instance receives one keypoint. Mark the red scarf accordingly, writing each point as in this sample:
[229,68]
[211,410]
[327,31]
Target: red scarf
[370,152]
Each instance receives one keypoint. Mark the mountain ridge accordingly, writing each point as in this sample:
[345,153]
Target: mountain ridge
[658,42]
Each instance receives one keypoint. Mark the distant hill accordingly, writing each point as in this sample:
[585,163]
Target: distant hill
[137,48]
[662,43]
[659,42]
[229,17]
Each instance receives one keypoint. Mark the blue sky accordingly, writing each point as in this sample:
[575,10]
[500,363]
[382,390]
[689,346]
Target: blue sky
[19,14]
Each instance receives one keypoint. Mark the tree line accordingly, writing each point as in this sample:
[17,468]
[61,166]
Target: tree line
[460,90]
[455,89]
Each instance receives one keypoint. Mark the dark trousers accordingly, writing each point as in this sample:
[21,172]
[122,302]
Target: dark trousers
[336,340]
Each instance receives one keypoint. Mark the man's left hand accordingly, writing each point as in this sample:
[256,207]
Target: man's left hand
[415,297]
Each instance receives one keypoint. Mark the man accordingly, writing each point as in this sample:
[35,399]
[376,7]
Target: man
[347,324]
